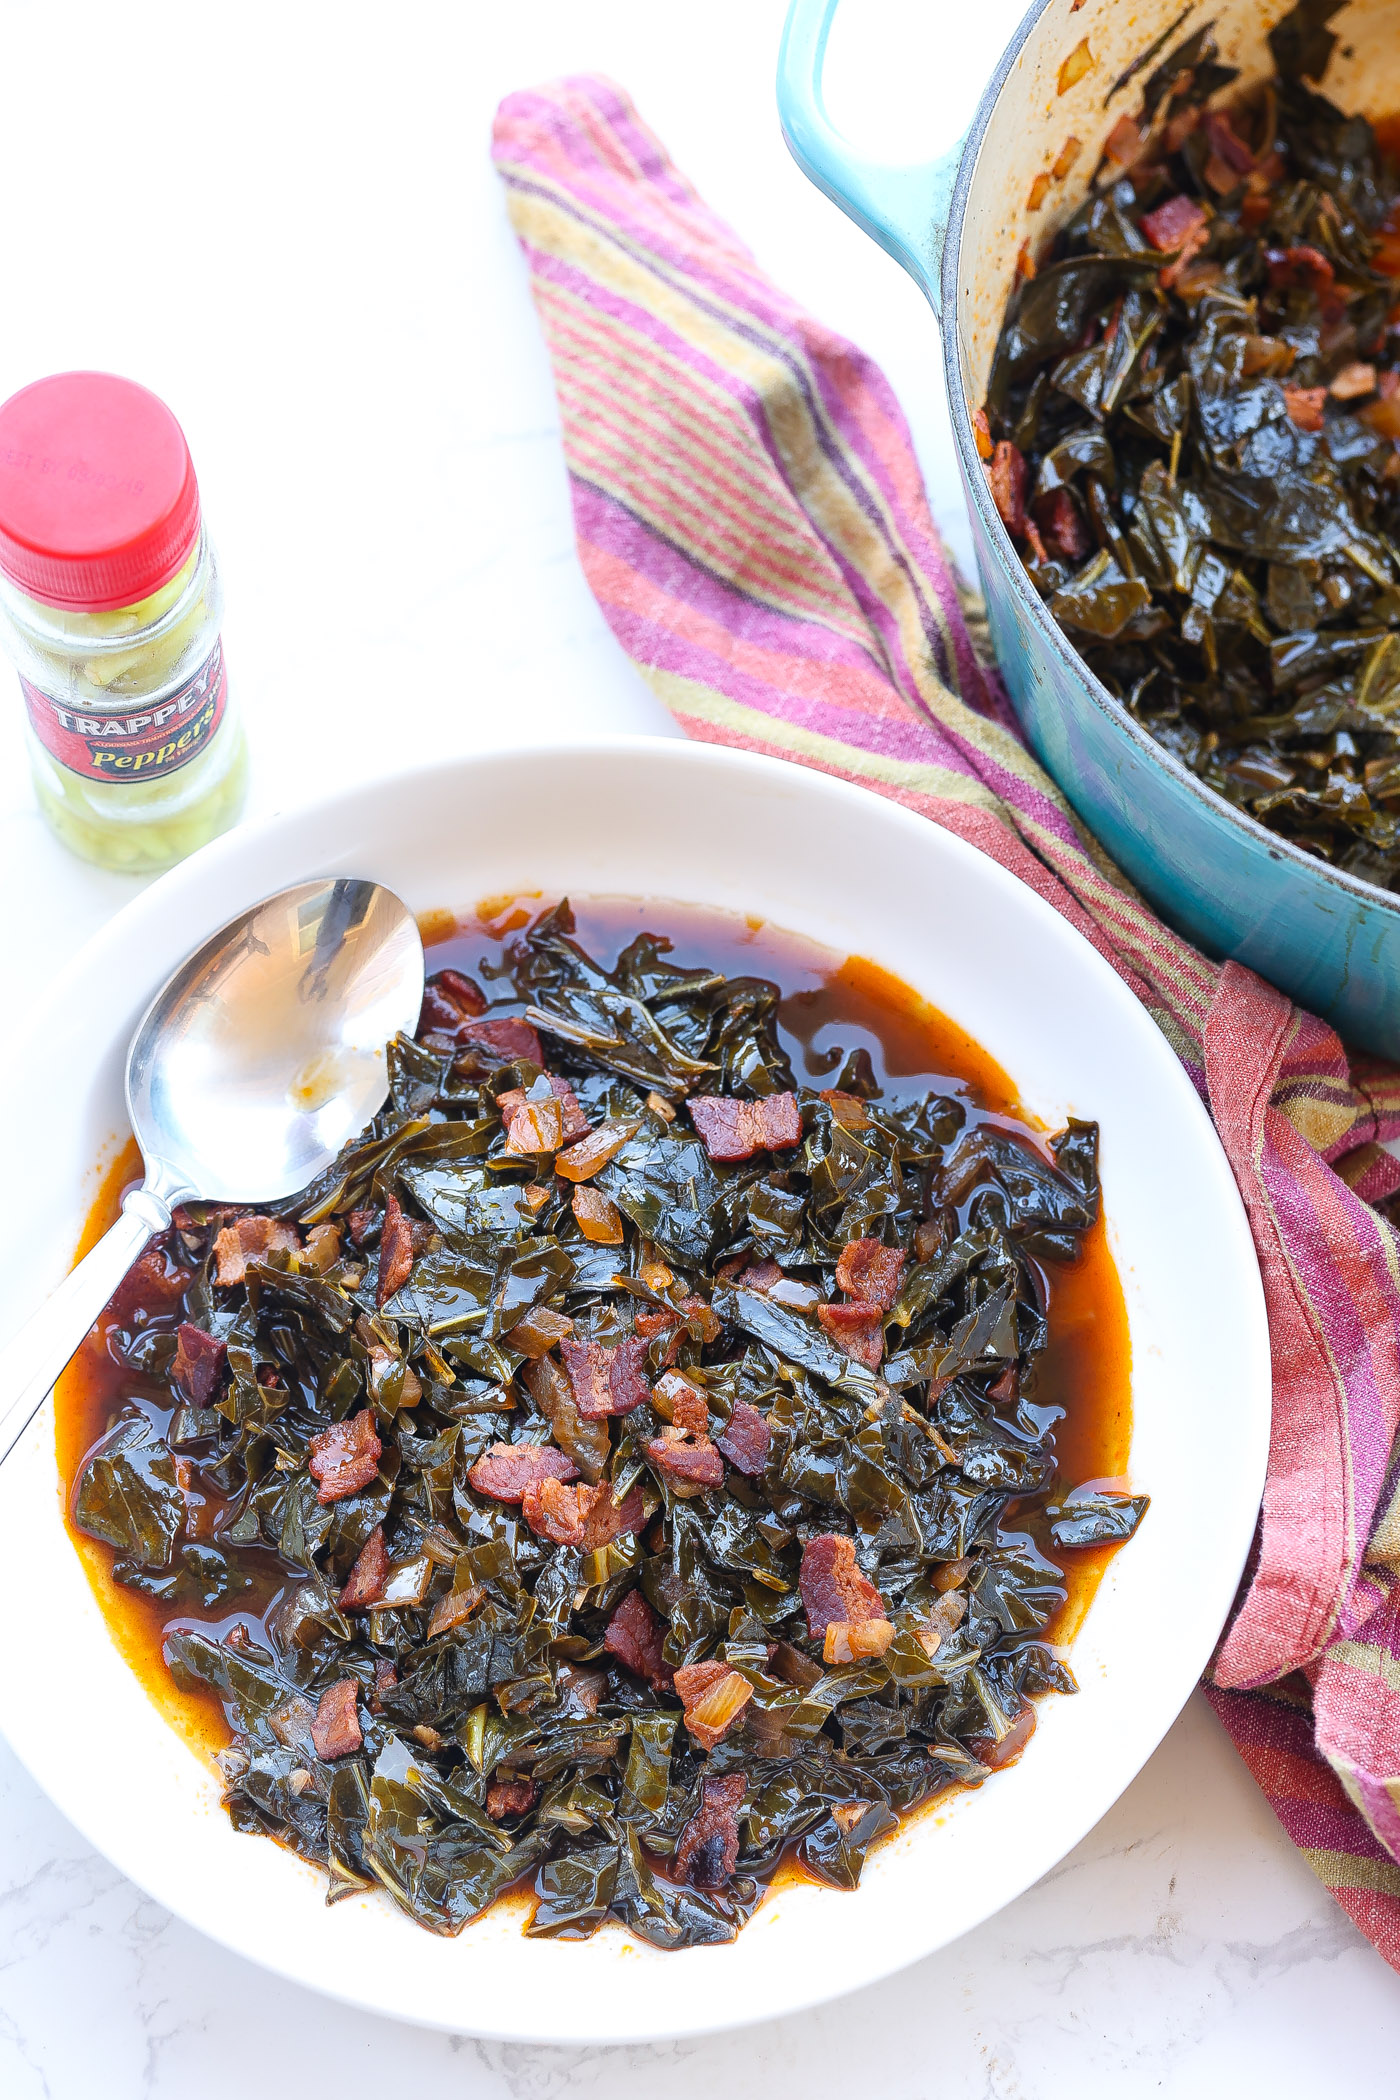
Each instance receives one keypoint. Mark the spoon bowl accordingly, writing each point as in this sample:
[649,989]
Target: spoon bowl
[258,1058]
[265,1052]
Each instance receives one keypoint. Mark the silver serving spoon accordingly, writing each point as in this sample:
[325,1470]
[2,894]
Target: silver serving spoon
[255,1062]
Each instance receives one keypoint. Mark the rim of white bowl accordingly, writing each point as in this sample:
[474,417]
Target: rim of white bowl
[1144,1734]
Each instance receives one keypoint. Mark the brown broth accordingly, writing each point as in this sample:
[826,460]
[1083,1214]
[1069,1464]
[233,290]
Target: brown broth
[1085,1370]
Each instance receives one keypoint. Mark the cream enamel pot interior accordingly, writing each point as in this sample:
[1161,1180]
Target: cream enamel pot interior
[957,223]
[660,818]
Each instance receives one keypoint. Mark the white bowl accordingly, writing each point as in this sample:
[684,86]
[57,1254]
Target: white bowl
[653,818]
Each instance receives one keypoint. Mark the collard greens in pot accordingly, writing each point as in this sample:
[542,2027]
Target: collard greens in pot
[1192,434]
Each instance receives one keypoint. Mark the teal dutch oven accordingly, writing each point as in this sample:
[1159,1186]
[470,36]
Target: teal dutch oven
[957,223]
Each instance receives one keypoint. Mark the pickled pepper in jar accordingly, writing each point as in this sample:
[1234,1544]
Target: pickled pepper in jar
[110,606]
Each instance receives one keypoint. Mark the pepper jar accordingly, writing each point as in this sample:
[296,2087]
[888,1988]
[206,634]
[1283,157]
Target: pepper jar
[110,605]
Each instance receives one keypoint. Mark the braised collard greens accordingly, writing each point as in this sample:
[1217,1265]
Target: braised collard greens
[622,1467]
[1193,436]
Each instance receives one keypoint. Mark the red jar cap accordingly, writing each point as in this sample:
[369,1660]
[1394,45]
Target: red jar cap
[99,505]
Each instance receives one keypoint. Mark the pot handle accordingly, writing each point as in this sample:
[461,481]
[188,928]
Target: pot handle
[904,208]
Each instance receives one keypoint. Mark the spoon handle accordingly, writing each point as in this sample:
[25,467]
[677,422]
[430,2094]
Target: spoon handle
[31,1360]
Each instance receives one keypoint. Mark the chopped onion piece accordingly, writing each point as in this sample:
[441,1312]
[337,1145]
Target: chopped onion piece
[591,1154]
[852,1642]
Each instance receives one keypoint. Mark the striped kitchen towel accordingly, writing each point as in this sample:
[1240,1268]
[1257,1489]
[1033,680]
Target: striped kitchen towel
[751,518]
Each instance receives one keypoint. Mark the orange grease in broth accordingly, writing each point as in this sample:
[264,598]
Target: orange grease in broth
[1086,1368]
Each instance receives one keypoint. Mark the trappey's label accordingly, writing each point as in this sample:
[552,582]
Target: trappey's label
[143,742]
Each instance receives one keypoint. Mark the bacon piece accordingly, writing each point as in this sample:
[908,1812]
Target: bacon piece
[575,1123]
[385,1678]
[857,1328]
[184,1219]
[510,1797]
[688,1410]
[345,1457]
[558,1513]
[336,1728]
[361,1224]
[1185,273]
[708,1851]
[653,1320]
[634,1635]
[154,1284]
[449,999]
[1299,269]
[1059,518]
[1173,223]
[395,1252]
[609,1520]
[833,1588]
[1007,477]
[670,1387]
[199,1363]
[505,1040]
[761,1276]
[366,1582]
[713,1696]
[506,1470]
[745,1439]
[1305,405]
[871,1271]
[464,992]
[606,1381]
[737,1129]
[438,1015]
[689,1467]
[580,1516]
[249,1239]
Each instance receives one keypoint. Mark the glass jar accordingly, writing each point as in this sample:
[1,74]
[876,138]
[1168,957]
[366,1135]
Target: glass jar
[110,605]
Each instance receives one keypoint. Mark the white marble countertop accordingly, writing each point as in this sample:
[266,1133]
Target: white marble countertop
[283,218]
